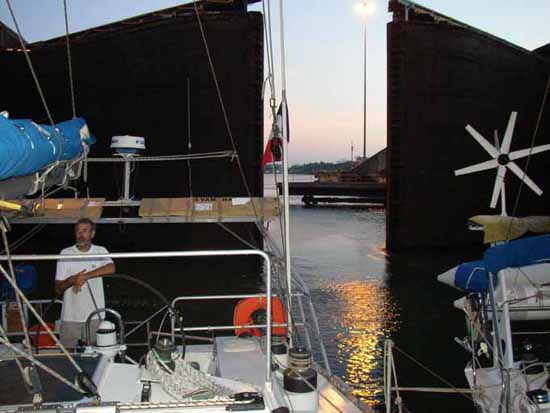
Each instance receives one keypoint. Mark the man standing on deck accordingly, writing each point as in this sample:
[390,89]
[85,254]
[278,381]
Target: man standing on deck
[79,280]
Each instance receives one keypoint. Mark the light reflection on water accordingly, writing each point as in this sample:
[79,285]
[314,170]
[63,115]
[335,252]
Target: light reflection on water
[339,252]
[366,318]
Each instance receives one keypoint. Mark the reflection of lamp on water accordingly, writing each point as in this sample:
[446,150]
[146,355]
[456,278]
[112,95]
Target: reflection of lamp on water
[365,8]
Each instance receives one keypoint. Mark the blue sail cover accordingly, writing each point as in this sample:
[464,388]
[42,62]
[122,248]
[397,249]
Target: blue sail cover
[473,276]
[26,147]
[518,253]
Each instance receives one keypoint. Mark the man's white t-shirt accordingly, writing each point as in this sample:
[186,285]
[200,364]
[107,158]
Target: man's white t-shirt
[78,306]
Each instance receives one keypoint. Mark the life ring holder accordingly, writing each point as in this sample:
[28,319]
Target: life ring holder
[245,309]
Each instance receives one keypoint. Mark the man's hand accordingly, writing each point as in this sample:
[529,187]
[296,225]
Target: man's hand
[78,280]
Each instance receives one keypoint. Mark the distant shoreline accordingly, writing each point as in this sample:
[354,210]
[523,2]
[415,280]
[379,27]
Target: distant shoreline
[312,168]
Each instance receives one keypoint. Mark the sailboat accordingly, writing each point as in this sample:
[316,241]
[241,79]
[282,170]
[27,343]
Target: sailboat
[265,361]
[507,303]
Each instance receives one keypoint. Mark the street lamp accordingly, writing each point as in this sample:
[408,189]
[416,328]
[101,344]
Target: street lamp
[365,8]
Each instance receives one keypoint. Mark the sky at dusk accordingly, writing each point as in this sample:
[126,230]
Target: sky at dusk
[324,56]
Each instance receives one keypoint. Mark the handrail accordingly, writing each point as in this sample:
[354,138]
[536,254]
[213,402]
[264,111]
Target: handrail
[221,297]
[175,254]
[38,304]
[232,327]
[118,317]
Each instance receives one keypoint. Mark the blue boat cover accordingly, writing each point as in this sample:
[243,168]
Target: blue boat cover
[26,147]
[518,253]
[473,276]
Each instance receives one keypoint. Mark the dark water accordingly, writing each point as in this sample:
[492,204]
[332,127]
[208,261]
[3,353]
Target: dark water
[363,296]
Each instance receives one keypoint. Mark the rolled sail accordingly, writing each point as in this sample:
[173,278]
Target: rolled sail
[522,253]
[26,147]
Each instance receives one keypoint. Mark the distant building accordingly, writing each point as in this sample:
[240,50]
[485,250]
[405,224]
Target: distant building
[374,165]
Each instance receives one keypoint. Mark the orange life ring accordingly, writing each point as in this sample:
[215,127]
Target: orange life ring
[247,307]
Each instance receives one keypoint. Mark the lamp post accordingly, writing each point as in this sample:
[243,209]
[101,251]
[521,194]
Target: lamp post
[365,89]
[365,8]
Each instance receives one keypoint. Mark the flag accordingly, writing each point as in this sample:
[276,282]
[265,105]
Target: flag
[273,151]
[268,156]
[274,147]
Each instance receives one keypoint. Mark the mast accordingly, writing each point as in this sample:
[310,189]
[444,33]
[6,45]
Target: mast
[284,128]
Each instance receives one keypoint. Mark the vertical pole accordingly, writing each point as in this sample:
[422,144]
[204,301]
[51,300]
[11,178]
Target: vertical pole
[126,195]
[269,323]
[286,216]
[286,213]
[506,326]
[365,90]
[492,297]
[388,360]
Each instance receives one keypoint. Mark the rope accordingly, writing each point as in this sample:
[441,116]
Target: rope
[183,381]
[36,82]
[189,142]
[269,51]
[27,57]
[40,319]
[533,139]
[17,298]
[24,238]
[222,105]
[306,382]
[279,196]
[69,60]
[237,236]
[398,399]
[283,53]
[271,43]
[5,337]
[432,373]
[37,363]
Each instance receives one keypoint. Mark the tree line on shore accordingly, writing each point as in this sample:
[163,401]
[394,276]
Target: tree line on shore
[311,168]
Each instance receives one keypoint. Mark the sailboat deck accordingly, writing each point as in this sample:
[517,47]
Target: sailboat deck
[13,389]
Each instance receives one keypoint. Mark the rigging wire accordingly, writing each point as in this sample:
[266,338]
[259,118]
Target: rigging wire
[533,139]
[36,362]
[69,60]
[36,82]
[237,236]
[522,183]
[222,105]
[270,32]
[4,229]
[426,368]
[24,238]
[273,98]
[269,51]
[284,141]
[31,67]
[189,142]
[39,319]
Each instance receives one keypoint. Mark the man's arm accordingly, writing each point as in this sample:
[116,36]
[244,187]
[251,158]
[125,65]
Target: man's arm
[61,286]
[82,277]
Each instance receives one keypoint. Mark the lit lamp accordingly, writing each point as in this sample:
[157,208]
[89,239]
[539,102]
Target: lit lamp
[365,8]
